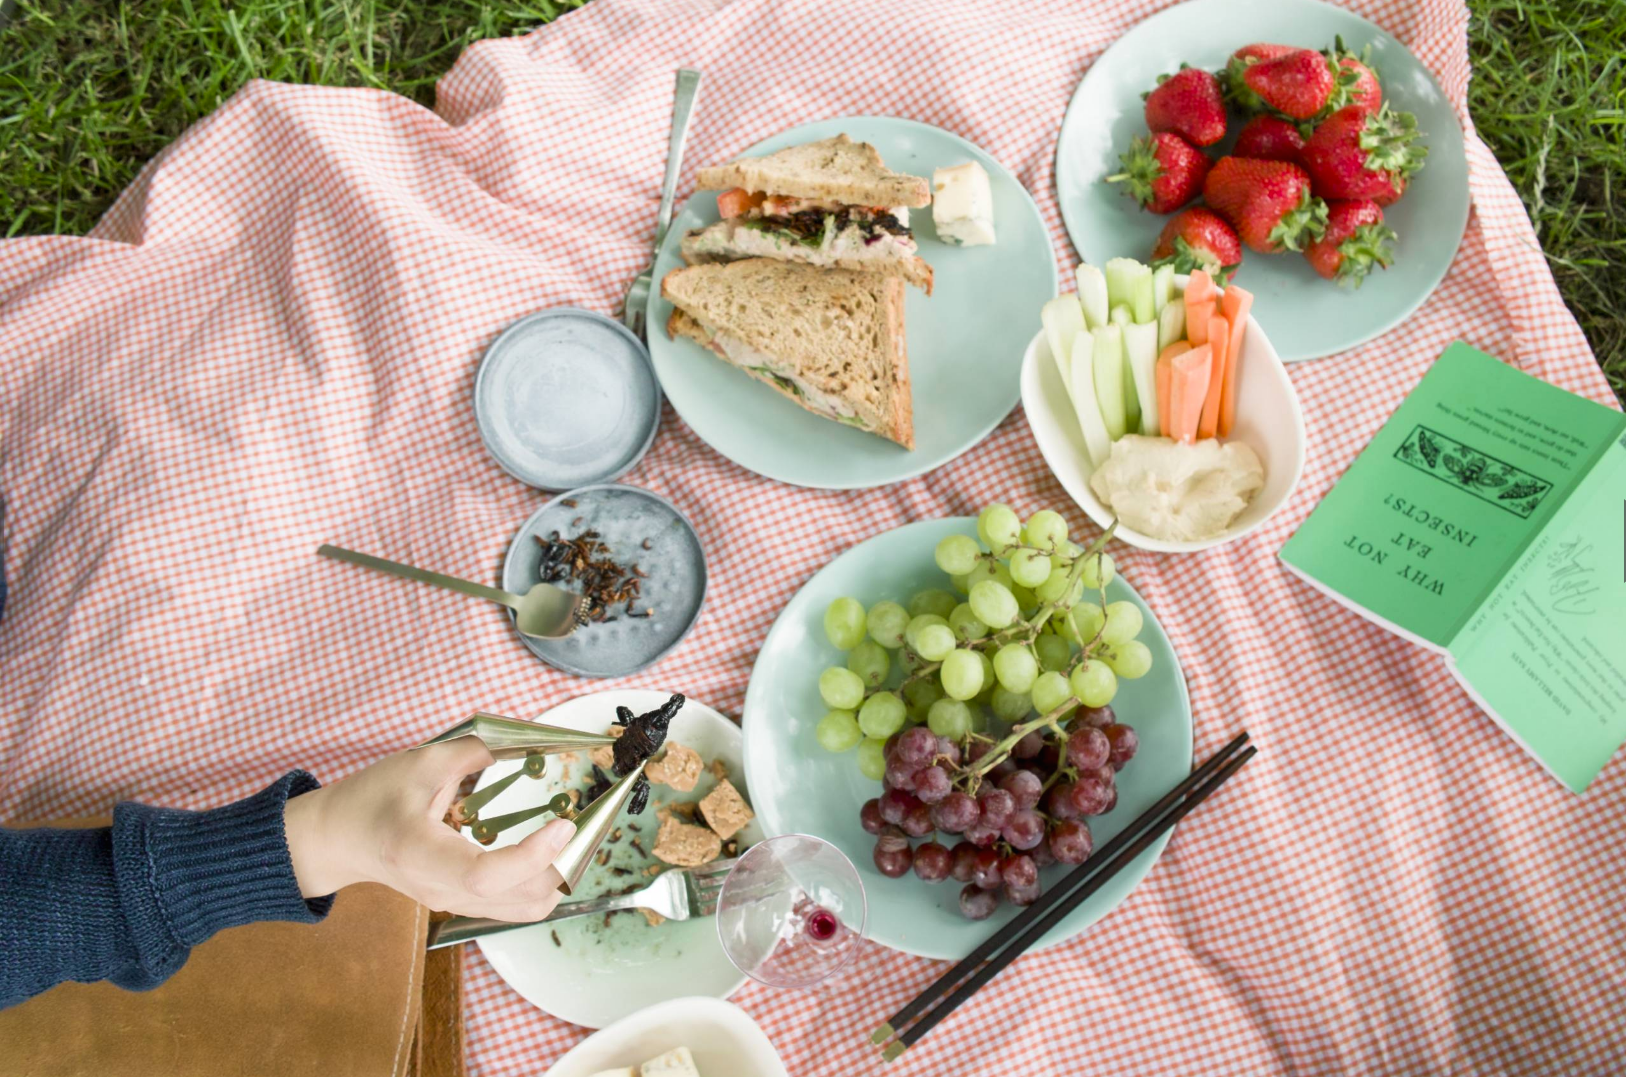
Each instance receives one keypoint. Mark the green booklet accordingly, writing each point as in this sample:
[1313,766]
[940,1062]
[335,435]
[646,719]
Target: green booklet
[1487,520]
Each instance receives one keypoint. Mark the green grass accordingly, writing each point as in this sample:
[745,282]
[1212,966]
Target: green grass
[1548,95]
[90,90]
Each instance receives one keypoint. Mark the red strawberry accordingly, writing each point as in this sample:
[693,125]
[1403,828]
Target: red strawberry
[1353,155]
[1296,84]
[1232,80]
[1199,238]
[1391,196]
[1162,172]
[1356,241]
[1188,103]
[1269,138]
[1269,203]
[1357,82]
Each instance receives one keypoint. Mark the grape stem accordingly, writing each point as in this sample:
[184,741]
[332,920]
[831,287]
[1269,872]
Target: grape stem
[1028,630]
[923,671]
[1043,613]
[1000,751]
[1064,769]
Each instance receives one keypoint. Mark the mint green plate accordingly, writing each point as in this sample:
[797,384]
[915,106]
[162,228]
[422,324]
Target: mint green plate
[965,340]
[798,787]
[1307,317]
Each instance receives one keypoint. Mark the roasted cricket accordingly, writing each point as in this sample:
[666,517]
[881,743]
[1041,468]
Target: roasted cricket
[644,736]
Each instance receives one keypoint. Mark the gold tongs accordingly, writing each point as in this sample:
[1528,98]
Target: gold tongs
[512,738]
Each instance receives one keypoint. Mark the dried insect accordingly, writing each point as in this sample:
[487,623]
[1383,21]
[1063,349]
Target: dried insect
[644,736]
[585,560]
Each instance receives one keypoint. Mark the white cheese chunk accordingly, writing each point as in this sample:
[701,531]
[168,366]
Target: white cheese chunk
[677,1062]
[963,205]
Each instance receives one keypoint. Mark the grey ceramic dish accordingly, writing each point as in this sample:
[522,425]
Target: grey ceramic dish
[674,584]
[567,398]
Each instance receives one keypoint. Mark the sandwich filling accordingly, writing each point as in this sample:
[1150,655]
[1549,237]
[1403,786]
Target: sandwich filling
[758,362]
[827,227]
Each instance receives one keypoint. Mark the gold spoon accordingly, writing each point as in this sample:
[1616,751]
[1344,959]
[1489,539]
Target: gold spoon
[545,611]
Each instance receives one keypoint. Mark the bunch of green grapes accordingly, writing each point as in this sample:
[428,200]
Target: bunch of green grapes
[1022,629]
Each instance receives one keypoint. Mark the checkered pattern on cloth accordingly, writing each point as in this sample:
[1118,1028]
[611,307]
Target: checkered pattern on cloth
[270,342]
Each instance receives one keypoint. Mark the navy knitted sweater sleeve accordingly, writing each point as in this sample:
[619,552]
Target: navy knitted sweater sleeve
[127,903]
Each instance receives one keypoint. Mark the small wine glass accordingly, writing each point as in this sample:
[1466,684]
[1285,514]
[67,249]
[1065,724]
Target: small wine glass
[791,912]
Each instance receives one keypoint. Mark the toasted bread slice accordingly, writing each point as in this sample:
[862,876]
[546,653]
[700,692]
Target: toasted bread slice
[832,340]
[833,169]
[732,240]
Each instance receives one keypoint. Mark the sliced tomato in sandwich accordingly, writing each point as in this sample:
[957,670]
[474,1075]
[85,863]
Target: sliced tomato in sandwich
[737,202]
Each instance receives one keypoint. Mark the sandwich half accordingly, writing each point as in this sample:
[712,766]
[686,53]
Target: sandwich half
[830,339]
[831,204]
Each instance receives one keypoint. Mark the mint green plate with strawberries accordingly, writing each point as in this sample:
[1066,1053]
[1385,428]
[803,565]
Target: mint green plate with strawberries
[1307,316]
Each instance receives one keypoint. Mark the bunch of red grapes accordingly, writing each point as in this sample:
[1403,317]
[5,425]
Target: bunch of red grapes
[1027,811]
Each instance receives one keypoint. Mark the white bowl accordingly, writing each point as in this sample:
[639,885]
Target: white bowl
[725,1042]
[594,983]
[1268,419]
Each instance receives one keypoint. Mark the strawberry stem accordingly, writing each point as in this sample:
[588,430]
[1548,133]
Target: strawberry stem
[1307,220]
[1369,247]
[1141,169]
[1387,138]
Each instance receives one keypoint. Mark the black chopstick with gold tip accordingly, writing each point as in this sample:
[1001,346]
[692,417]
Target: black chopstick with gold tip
[1013,939]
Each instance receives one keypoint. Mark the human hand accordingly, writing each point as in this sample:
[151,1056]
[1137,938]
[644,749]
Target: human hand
[384,824]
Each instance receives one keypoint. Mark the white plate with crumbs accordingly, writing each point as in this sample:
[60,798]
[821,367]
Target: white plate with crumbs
[587,971]
[724,1040]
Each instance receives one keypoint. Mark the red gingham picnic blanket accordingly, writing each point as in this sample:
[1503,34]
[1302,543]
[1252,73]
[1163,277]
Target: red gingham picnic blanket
[270,342]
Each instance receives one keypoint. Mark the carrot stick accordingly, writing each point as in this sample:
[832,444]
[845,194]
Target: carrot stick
[1219,339]
[1236,303]
[1188,388]
[1165,369]
[1199,306]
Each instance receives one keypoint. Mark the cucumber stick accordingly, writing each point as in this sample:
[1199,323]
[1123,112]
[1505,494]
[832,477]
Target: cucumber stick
[1096,441]
[1141,351]
[1171,325]
[1121,274]
[1063,320]
[1142,296]
[1130,283]
[1162,286]
[1092,295]
[1125,321]
[1107,368]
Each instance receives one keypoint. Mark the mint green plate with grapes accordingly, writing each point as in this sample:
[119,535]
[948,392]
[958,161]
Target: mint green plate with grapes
[799,786]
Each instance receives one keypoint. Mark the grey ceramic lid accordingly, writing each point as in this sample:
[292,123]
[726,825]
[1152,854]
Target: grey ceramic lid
[673,584]
[566,398]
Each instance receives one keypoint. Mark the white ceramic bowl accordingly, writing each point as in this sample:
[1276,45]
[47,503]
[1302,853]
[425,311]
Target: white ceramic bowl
[595,981]
[725,1042]
[1268,419]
